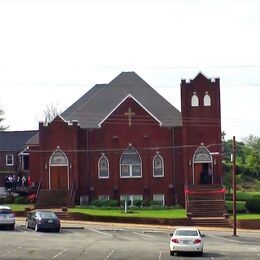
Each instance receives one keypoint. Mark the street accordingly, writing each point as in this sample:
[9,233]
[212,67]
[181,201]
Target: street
[107,241]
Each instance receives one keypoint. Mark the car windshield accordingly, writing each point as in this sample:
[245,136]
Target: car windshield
[47,215]
[188,233]
[5,211]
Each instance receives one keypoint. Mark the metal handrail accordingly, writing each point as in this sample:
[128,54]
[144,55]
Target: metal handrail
[38,189]
[72,190]
[186,198]
[224,195]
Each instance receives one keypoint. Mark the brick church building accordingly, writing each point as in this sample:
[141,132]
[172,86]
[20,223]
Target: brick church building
[123,139]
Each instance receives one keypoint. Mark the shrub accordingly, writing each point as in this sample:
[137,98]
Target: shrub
[146,203]
[113,203]
[2,200]
[241,208]
[229,196]
[246,178]
[138,203]
[21,200]
[155,203]
[104,203]
[9,200]
[158,207]
[253,205]
[122,203]
[177,206]
[99,203]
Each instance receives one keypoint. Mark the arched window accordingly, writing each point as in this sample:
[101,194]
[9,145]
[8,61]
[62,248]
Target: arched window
[130,164]
[158,166]
[59,158]
[202,155]
[103,167]
[207,100]
[194,100]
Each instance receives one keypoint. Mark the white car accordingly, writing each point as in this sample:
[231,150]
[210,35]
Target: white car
[186,239]
[7,217]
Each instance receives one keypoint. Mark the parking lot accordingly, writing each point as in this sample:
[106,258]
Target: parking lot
[106,241]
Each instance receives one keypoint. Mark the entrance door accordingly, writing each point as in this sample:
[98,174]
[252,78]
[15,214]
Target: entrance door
[202,166]
[202,173]
[197,173]
[59,178]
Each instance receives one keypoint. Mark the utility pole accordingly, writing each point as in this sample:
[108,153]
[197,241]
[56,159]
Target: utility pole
[234,186]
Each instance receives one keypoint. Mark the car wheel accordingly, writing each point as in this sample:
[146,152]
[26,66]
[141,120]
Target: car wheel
[200,253]
[57,230]
[172,253]
[36,228]
[11,227]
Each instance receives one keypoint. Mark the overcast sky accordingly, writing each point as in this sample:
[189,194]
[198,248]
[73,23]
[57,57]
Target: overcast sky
[53,51]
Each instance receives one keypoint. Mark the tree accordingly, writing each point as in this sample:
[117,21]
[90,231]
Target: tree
[2,127]
[248,156]
[50,112]
[253,157]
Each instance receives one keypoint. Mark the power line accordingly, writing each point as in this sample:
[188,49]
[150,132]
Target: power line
[123,149]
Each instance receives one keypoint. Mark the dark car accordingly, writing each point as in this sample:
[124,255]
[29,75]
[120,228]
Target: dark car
[43,220]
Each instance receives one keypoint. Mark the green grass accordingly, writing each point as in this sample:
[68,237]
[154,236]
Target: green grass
[145,213]
[19,207]
[142,213]
[245,216]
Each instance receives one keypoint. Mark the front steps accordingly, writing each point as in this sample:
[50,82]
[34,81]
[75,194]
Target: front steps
[205,205]
[52,199]
[211,222]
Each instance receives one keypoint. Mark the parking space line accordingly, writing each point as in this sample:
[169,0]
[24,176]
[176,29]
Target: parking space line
[100,232]
[21,229]
[141,234]
[107,257]
[160,255]
[61,252]
[227,239]
[11,251]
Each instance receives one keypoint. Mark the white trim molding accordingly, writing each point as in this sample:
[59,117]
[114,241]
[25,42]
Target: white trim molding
[122,101]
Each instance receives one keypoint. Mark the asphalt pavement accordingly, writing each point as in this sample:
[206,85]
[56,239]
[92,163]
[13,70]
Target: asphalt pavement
[117,241]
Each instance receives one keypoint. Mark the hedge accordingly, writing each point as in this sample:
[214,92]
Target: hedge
[253,205]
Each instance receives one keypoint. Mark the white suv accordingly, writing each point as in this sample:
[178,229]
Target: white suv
[7,217]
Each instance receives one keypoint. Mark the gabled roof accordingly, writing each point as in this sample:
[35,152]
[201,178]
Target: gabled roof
[34,140]
[97,103]
[15,140]
[122,101]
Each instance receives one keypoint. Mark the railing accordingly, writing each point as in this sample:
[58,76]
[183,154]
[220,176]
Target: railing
[38,189]
[186,197]
[224,193]
[72,193]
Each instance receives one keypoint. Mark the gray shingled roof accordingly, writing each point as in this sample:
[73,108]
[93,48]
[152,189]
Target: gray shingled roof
[15,140]
[97,103]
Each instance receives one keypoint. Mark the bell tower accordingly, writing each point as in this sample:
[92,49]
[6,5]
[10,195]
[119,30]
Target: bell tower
[201,115]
